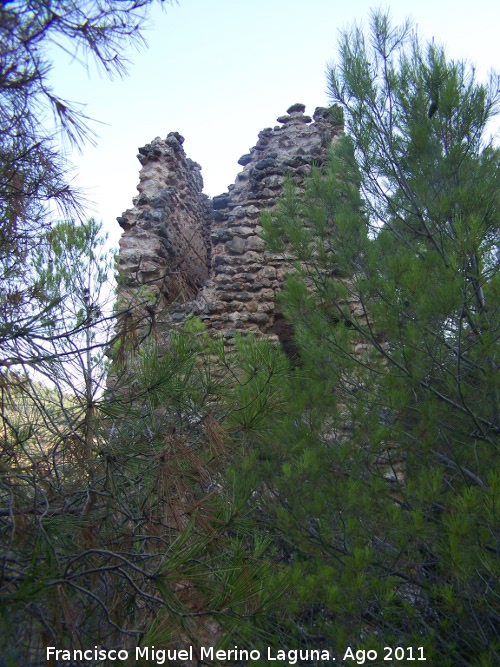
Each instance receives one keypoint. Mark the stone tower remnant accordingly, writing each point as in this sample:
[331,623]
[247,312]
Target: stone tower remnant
[185,253]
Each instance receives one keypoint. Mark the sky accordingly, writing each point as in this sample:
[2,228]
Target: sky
[219,71]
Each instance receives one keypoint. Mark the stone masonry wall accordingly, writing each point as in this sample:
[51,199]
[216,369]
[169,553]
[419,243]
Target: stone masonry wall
[201,256]
[165,246]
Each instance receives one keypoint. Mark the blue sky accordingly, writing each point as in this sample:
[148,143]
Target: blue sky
[219,71]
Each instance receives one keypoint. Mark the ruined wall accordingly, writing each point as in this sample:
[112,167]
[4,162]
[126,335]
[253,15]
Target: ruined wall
[165,246]
[201,256]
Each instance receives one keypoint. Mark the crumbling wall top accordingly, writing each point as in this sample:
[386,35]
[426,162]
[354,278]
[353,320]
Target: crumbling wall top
[166,241]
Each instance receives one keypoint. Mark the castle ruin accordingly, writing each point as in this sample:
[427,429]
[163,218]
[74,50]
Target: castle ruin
[186,253]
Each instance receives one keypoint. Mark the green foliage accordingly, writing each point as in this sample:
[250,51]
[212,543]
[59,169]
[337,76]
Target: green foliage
[169,464]
[258,392]
[142,534]
[383,474]
[35,186]
[50,410]
[53,330]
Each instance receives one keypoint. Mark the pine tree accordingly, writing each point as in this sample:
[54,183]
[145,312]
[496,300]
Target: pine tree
[122,522]
[385,476]
[51,427]
[35,183]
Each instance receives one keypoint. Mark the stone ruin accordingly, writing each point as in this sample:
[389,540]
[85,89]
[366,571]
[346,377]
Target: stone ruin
[183,253]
